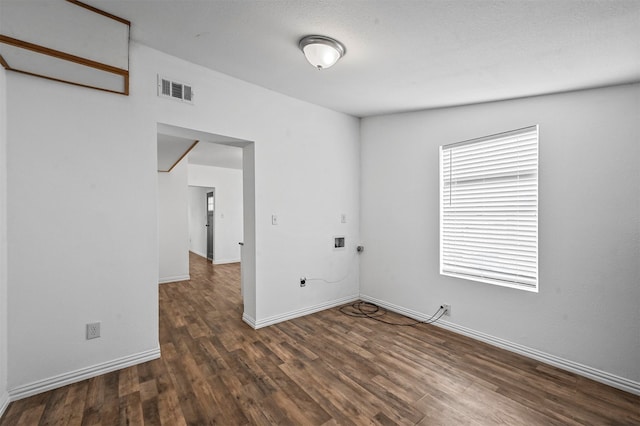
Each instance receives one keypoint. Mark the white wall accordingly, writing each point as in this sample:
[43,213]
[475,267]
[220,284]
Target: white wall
[589,224]
[198,219]
[4,396]
[82,231]
[248,249]
[82,211]
[228,209]
[306,173]
[173,225]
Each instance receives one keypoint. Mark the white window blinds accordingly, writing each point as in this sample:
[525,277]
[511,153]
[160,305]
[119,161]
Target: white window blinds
[489,209]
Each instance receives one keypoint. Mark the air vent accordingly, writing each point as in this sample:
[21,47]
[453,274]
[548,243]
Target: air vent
[175,90]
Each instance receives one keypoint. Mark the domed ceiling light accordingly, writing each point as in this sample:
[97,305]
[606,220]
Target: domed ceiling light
[321,52]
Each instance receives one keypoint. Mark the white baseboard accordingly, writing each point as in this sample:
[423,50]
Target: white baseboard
[249,320]
[304,311]
[225,261]
[4,402]
[64,379]
[175,279]
[198,253]
[564,364]
[217,261]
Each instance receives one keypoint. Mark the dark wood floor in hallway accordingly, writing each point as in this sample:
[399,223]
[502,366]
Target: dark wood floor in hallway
[322,369]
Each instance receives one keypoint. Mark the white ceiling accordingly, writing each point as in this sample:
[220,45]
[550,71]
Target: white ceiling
[170,150]
[213,154]
[211,149]
[401,54]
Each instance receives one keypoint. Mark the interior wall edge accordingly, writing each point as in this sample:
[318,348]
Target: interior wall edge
[4,307]
[249,320]
[4,402]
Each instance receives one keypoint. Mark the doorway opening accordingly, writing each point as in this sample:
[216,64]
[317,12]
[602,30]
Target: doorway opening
[202,226]
[227,213]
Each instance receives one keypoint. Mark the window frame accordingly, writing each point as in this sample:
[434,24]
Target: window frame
[476,276]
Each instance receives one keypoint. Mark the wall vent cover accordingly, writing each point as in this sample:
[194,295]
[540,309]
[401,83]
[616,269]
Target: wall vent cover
[173,89]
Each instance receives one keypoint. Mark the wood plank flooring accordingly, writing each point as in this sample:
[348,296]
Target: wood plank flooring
[323,369]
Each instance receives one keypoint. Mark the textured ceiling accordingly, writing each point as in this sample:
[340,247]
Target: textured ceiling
[401,54]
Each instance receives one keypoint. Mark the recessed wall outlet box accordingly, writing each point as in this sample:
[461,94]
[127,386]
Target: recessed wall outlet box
[93,330]
[446,309]
[338,243]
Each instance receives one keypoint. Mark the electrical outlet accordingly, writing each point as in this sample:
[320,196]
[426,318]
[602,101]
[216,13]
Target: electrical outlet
[447,309]
[93,330]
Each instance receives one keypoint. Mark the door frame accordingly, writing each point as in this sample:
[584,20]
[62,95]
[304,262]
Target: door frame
[248,251]
[210,221]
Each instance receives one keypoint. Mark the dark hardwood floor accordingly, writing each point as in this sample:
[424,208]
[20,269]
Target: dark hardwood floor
[323,369]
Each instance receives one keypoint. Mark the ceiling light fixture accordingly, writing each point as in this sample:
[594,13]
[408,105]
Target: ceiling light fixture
[321,52]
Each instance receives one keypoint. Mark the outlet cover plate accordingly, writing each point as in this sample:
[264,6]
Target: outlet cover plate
[93,330]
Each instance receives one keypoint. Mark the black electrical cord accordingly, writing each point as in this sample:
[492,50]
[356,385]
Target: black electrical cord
[372,311]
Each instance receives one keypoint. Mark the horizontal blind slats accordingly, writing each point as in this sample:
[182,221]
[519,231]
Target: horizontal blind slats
[510,268]
[510,278]
[489,205]
[503,157]
[523,259]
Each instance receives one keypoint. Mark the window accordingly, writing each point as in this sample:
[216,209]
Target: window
[489,209]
